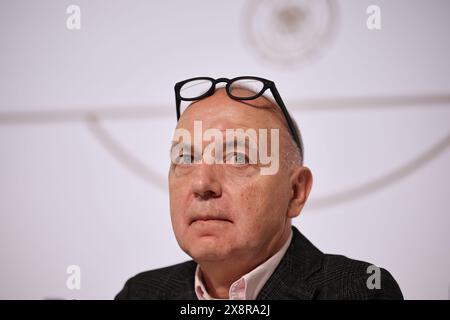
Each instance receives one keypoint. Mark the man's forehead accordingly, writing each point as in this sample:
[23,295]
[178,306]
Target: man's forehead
[225,112]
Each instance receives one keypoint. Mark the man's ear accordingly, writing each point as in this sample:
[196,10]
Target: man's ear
[301,183]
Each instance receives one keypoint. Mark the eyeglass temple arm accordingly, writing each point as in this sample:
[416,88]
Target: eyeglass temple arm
[290,123]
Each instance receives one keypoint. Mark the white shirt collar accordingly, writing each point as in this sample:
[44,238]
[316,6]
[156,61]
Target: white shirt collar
[250,284]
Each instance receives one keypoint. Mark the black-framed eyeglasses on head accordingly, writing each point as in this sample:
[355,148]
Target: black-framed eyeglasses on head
[201,87]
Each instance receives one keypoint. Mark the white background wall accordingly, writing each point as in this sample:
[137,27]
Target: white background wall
[93,193]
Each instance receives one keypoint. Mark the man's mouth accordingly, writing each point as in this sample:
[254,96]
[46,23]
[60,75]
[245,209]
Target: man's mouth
[209,219]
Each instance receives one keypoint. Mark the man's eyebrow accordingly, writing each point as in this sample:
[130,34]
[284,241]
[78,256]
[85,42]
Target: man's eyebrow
[232,143]
[184,145]
[237,143]
[227,143]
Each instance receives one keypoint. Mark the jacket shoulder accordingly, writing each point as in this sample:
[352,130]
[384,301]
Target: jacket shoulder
[344,278]
[172,282]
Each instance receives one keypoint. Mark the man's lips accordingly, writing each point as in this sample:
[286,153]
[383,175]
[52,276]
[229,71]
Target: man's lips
[209,218]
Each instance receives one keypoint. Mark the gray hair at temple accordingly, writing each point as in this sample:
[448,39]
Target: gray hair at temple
[295,154]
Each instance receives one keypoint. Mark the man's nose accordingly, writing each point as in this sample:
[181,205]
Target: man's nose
[205,184]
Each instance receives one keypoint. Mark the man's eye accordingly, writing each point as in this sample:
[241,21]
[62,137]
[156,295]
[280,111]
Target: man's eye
[185,159]
[237,158]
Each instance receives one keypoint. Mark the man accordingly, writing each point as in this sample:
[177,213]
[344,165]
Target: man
[233,219]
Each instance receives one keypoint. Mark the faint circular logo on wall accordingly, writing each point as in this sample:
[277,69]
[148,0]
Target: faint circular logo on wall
[289,32]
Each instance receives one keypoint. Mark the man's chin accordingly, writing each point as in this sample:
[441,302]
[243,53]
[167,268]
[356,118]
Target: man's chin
[202,257]
[208,248]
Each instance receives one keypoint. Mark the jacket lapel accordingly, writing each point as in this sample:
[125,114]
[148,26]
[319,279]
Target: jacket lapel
[290,279]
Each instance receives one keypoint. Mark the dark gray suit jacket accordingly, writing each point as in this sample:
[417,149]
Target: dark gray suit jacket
[303,273]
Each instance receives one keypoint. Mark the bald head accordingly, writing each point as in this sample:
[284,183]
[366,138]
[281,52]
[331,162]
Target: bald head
[256,113]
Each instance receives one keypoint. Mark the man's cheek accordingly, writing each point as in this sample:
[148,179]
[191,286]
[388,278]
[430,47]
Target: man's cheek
[249,193]
[248,217]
